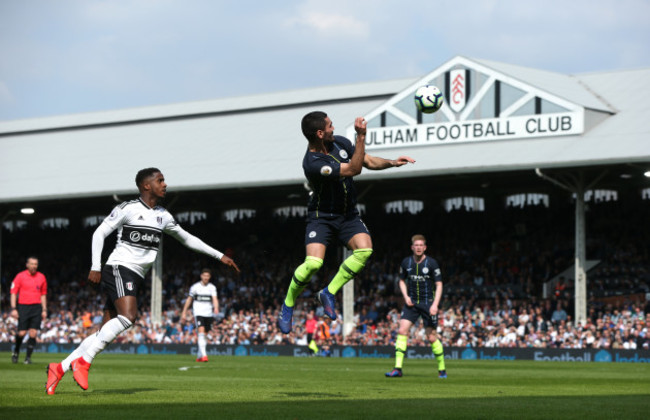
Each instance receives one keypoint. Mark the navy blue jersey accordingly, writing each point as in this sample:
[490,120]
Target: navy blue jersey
[333,194]
[420,278]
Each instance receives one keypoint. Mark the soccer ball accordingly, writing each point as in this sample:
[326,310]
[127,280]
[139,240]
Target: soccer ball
[428,99]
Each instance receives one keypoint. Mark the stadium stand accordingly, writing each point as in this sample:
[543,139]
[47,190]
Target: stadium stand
[494,265]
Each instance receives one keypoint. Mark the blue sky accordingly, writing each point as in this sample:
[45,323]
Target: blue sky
[73,56]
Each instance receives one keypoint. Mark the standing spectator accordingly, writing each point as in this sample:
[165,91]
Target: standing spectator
[205,308]
[323,336]
[560,288]
[31,288]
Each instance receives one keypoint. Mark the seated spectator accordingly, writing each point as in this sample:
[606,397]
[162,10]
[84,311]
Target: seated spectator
[559,314]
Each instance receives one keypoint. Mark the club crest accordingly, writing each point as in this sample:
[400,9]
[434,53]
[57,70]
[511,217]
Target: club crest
[458,96]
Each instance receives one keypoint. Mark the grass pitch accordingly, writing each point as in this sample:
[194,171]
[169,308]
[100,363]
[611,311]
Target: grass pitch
[138,386]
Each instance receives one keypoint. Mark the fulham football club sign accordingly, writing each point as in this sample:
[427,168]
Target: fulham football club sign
[480,104]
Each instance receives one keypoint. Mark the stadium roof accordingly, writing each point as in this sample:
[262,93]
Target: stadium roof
[255,141]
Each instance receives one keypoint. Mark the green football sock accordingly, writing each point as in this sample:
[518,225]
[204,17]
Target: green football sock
[349,268]
[400,349]
[439,353]
[301,278]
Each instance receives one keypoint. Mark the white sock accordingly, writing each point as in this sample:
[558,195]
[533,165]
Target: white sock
[65,364]
[202,344]
[105,336]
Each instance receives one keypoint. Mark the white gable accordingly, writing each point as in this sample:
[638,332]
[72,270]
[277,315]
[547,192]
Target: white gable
[481,104]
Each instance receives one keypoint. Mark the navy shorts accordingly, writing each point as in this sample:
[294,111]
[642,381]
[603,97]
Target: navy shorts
[321,229]
[412,313]
[117,282]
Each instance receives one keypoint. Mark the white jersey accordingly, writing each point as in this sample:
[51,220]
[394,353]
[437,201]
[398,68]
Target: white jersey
[139,234]
[202,299]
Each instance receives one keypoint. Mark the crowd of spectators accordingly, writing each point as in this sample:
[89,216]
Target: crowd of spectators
[492,323]
[494,266]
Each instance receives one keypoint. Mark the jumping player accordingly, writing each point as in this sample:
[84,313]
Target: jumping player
[140,224]
[422,273]
[203,298]
[329,165]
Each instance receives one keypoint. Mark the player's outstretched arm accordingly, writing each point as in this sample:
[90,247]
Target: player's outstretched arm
[195,244]
[376,163]
[230,263]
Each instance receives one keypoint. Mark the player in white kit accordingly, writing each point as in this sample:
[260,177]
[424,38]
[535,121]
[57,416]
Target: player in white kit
[140,224]
[205,305]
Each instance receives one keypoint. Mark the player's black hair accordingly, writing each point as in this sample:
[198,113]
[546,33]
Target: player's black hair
[31,257]
[206,270]
[313,122]
[144,174]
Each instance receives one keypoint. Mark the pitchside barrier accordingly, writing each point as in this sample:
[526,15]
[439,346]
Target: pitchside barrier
[381,352]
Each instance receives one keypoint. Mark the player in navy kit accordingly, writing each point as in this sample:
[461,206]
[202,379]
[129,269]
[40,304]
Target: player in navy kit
[329,165]
[140,224]
[420,282]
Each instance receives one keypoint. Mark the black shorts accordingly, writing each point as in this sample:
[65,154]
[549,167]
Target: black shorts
[117,282]
[412,313]
[321,229]
[204,321]
[29,317]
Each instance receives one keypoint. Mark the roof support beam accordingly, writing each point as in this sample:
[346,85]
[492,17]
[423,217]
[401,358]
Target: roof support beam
[578,187]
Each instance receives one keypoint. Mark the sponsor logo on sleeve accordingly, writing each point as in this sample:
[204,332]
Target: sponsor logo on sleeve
[326,170]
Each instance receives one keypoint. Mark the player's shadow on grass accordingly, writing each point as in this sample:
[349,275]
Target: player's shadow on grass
[128,391]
